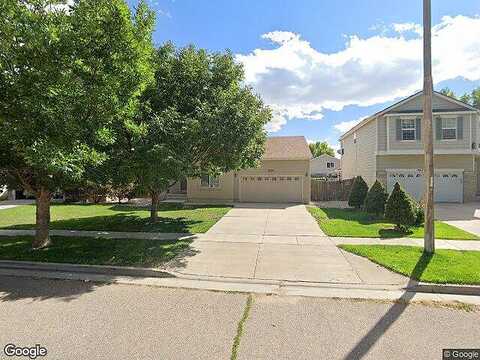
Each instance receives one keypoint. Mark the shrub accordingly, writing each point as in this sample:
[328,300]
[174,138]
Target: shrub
[400,209]
[358,193]
[376,199]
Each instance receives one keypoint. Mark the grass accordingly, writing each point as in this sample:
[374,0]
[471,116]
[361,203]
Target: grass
[354,223]
[240,326]
[76,250]
[445,266]
[109,217]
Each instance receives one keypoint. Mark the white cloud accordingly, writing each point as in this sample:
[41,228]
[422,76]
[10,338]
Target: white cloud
[344,126]
[280,37]
[298,81]
[406,27]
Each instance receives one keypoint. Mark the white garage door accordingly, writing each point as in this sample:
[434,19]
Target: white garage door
[268,188]
[448,183]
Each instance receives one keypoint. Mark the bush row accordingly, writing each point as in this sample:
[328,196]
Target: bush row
[399,208]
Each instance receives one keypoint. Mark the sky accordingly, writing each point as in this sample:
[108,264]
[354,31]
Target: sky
[323,65]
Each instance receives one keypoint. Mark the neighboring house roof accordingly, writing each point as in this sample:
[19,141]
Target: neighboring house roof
[325,156]
[391,109]
[286,148]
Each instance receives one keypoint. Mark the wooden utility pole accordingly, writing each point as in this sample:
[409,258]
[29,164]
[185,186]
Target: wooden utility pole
[429,237]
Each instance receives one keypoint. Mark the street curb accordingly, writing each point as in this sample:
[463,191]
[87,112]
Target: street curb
[85,269]
[470,290]
[171,279]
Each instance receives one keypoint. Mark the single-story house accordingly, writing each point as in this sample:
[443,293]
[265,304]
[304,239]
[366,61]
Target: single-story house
[388,146]
[325,166]
[283,176]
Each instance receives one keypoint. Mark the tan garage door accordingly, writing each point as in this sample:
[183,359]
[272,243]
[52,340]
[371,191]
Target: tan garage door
[268,188]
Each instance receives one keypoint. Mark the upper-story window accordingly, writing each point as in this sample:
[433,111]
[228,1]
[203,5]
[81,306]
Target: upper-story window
[330,165]
[408,129]
[449,129]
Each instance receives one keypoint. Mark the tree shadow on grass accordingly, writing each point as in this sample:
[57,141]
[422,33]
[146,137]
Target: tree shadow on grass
[120,222]
[392,233]
[364,218]
[359,216]
[392,315]
[163,207]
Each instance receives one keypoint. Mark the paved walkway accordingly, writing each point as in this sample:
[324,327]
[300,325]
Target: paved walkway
[439,244]
[276,242]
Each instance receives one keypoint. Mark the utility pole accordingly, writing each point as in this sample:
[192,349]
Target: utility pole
[429,236]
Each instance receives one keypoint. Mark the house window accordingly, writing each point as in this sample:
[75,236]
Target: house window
[208,181]
[408,129]
[449,129]
[330,165]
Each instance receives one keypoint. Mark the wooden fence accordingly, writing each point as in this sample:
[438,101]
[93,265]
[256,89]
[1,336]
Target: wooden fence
[331,190]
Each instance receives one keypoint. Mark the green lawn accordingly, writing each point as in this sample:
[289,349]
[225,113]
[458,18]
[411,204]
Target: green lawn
[445,266]
[109,217]
[353,223]
[76,250]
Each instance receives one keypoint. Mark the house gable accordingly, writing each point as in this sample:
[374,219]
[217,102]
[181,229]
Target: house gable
[440,103]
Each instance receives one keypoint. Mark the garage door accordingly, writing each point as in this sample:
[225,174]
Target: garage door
[267,188]
[448,184]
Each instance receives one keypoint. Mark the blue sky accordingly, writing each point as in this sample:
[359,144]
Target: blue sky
[322,65]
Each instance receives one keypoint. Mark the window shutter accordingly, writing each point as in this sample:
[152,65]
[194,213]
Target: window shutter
[399,129]
[460,128]
[438,128]
[418,128]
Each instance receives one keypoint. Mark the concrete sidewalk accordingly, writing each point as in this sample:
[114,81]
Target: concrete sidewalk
[439,244]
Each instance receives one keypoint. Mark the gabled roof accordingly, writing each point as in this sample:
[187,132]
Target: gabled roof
[462,106]
[325,156]
[286,148]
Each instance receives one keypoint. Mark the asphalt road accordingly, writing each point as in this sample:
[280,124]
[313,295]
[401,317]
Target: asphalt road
[79,320]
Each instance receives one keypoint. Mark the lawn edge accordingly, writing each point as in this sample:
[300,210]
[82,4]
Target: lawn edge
[342,246]
[319,221]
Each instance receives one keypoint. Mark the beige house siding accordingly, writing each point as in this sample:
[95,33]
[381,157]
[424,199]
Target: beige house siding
[318,165]
[359,157]
[230,182]
[382,133]
[465,162]
[196,193]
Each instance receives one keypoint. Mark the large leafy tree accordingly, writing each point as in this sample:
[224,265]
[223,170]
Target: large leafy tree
[196,118]
[320,148]
[68,76]
[472,98]
[447,91]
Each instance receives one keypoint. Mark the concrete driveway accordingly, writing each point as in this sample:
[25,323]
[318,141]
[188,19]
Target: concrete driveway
[275,242]
[464,216]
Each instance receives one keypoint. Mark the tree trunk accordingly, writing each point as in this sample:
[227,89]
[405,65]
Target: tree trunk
[42,238]
[154,206]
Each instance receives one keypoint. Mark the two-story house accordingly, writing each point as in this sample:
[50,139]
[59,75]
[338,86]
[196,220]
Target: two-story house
[388,146]
[325,166]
